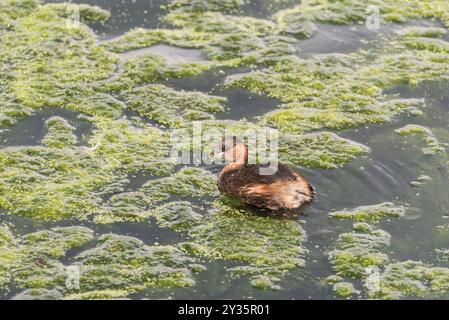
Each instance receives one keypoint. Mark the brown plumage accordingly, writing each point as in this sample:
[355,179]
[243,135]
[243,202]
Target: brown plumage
[283,190]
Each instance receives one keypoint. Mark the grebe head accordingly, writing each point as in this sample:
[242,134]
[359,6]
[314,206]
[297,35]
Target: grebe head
[233,150]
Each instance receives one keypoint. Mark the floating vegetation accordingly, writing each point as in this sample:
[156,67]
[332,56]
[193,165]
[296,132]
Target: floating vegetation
[300,20]
[115,267]
[177,215]
[319,150]
[126,263]
[60,133]
[344,289]
[433,145]
[412,279]
[188,183]
[356,251]
[170,107]
[268,247]
[373,214]
[32,260]
[132,146]
[47,62]
[51,183]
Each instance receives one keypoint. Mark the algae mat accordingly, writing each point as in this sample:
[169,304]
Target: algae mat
[92,207]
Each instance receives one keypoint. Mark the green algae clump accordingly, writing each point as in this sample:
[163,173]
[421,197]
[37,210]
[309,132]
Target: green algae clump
[300,20]
[356,251]
[115,267]
[126,263]
[433,145]
[170,107]
[412,279]
[344,289]
[269,247]
[32,260]
[373,214]
[319,150]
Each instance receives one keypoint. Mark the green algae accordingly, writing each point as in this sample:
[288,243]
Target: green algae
[60,133]
[373,214]
[269,247]
[319,92]
[87,13]
[132,146]
[216,229]
[149,68]
[177,215]
[355,251]
[100,105]
[142,38]
[60,179]
[126,146]
[340,91]
[13,9]
[428,32]
[319,150]
[115,267]
[153,199]
[51,183]
[356,254]
[434,146]
[300,20]
[127,264]
[170,107]
[49,62]
[227,40]
[412,279]
[189,182]
[32,260]
[344,289]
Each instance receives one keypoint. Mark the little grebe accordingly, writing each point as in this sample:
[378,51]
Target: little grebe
[283,190]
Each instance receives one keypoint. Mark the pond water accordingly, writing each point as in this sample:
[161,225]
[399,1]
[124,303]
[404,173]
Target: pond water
[384,174]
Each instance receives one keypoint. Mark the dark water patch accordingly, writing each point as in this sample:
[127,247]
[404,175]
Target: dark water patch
[171,55]
[264,9]
[30,131]
[125,15]
[337,39]
[210,81]
[243,104]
